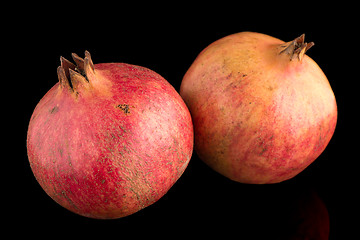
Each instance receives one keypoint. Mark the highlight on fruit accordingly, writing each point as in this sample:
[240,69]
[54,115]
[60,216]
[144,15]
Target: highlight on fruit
[108,139]
[262,109]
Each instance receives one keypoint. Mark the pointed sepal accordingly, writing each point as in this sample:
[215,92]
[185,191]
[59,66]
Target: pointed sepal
[79,62]
[78,81]
[63,79]
[88,64]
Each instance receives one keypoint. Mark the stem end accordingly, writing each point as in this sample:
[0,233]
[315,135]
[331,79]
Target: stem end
[296,49]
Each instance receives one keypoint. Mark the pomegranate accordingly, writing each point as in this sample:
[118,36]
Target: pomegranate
[262,110]
[108,139]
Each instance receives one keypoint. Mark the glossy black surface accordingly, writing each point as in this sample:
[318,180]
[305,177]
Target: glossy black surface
[323,199]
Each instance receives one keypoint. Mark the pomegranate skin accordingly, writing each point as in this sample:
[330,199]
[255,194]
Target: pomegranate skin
[262,110]
[111,143]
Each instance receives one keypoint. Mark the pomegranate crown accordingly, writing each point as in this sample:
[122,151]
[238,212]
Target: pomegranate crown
[72,76]
[296,48]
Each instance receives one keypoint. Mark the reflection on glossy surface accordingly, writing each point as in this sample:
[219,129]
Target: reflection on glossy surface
[310,218]
[292,210]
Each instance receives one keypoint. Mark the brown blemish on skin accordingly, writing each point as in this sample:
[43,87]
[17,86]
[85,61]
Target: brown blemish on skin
[229,76]
[54,109]
[124,107]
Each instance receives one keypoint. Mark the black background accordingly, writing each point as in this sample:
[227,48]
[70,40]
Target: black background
[167,38]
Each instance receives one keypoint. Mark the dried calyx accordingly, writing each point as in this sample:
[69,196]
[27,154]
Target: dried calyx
[297,48]
[73,76]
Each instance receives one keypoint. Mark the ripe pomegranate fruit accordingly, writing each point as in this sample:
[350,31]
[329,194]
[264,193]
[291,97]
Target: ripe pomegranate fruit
[109,139]
[262,109]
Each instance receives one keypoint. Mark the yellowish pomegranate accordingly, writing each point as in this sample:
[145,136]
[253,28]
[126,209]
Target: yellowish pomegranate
[262,109]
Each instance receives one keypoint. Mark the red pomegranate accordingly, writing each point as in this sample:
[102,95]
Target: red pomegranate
[109,139]
[262,109]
